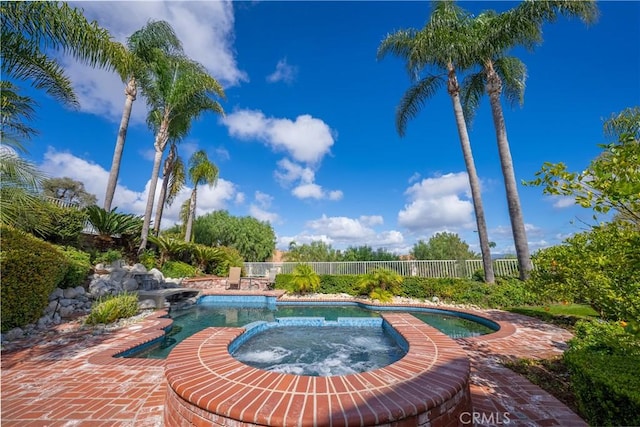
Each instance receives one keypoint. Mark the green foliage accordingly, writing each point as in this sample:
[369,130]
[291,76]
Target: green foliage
[178,269]
[381,284]
[31,270]
[612,179]
[231,258]
[107,257]
[443,246]
[604,362]
[205,257]
[366,253]
[113,307]
[169,248]
[564,315]
[600,267]
[79,263]
[255,240]
[304,279]
[66,226]
[111,225]
[316,251]
[148,259]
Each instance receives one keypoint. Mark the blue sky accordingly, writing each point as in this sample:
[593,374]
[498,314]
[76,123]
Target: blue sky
[309,143]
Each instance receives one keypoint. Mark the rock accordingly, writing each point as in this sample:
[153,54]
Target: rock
[99,287]
[118,264]
[66,312]
[138,269]
[117,276]
[130,284]
[14,334]
[157,275]
[56,294]
[147,304]
[70,292]
[80,291]
[66,302]
[435,299]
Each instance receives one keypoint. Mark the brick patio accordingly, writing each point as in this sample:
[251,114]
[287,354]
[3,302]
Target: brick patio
[69,377]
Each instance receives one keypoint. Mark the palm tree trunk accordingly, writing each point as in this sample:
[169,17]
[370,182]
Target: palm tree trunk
[130,92]
[494,90]
[160,208]
[192,214]
[474,182]
[159,145]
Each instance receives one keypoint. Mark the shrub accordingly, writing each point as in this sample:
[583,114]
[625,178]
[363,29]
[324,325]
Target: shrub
[178,269]
[231,258]
[79,267]
[381,284]
[604,362]
[148,259]
[304,279]
[31,270]
[107,257]
[113,307]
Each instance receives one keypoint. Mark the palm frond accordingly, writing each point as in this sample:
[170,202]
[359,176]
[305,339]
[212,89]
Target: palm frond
[471,93]
[513,73]
[15,110]
[414,99]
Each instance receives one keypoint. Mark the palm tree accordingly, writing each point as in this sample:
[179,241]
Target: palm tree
[201,171]
[492,35]
[140,51]
[178,90]
[31,29]
[173,180]
[440,47]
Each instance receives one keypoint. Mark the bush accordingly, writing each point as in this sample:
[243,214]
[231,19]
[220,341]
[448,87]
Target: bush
[148,259]
[31,270]
[178,269]
[231,258]
[381,284]
[107,257]
[79,267]
[111,308]
[604,362]
[303,279]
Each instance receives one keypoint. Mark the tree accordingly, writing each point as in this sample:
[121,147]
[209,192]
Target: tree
[178,90]
[366,253]
[490,37]
[140,51]
[201,171]
[69,191]
[612,180]
[316,251]
[30,30]
[173,180]
[15,112]
[112,224]
[254,239]
[439,50]
[443,245]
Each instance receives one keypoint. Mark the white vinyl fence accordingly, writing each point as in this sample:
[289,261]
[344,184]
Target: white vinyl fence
[420,268]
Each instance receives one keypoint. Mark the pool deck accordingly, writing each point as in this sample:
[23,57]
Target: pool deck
[68,377]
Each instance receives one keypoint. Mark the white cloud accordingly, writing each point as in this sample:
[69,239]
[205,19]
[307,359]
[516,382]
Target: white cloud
[290,172]
[283,72]
[371,220]
[414,178]
[206,32]
[438,202]
[240,197]
[306,138]
[308,191]
[94,177]
[260,208]
[335,195]
[562,202]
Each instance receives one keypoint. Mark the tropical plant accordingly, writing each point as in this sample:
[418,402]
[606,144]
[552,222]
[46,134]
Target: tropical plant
[178,90]
[201,171]
[173,180]
[30,30]
[490,37]
[433,56]
[15,113]
[443,246]
[205,257]
[140,50]
[231,258]
[110,224]
[303,279]
[168,248]
[110,308]
[381,284]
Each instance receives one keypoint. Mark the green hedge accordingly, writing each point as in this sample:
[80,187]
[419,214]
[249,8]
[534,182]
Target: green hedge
[31,270]
[79,267]
[604,362]
[178,269]
[505,293]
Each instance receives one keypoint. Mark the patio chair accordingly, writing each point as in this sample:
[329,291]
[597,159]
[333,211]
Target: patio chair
[233,281]
[271,281]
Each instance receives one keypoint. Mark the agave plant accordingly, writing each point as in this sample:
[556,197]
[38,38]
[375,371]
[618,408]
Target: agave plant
[304,279]
[381,284]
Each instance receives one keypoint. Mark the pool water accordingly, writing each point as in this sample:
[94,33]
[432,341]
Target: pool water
[194,319]
[319,350]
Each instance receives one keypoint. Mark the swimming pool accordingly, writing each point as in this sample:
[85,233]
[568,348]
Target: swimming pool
[239,311]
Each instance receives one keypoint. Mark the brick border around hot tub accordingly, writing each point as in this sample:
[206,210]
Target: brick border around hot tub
[427,387]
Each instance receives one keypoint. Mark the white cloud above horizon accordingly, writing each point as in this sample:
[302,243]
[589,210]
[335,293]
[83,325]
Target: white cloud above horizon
[283,73]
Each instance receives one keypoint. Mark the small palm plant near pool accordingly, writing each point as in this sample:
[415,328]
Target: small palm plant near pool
[381,284]
[304,279]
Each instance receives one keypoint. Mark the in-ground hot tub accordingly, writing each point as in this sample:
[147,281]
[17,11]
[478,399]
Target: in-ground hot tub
[428,386]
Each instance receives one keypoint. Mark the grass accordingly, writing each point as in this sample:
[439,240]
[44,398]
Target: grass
[563,315]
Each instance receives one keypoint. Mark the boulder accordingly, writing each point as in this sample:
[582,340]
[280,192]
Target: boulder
[138,269]
[130,284]
[147,304]
[56,294]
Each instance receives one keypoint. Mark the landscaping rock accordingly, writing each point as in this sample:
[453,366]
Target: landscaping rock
[147,304]
[130,284]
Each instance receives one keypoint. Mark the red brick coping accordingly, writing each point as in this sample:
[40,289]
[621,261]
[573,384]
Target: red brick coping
[427,387]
